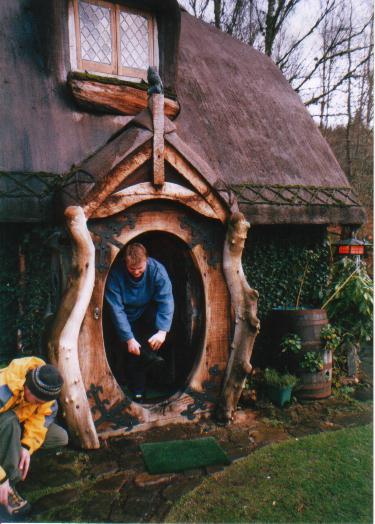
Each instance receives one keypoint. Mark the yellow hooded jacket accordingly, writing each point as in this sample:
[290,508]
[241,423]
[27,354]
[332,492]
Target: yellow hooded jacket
[35,418]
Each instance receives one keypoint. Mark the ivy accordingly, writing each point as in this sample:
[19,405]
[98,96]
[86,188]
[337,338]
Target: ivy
[289,267]
[284,263]
[25,299]
[9,290]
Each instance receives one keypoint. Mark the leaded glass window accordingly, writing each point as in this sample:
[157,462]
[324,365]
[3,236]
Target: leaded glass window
[113,39]
[134,40]
[95,30]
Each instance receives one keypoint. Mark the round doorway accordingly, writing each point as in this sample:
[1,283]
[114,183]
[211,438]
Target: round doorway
[184,343]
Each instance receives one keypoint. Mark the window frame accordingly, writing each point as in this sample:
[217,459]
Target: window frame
[115,68]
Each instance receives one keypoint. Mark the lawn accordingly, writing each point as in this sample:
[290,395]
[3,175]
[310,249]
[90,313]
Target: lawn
[320,478]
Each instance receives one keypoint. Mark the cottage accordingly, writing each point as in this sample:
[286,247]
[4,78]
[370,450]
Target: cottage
[87,145]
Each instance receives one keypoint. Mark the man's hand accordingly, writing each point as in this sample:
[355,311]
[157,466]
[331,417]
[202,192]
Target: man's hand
[157,340]
[134,347]
[24,463]
[4,492]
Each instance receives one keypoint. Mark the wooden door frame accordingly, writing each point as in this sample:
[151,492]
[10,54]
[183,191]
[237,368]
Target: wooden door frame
[103,392]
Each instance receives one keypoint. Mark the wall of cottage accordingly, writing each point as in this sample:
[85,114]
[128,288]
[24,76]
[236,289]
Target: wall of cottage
[281,262]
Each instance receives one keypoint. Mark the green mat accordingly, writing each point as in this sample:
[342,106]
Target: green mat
[177,455]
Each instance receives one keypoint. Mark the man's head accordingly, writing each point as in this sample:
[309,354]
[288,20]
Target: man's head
[135,258]
[43,384]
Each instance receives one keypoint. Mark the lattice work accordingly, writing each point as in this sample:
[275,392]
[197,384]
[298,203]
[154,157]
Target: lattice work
[288,195]
[20,185]
[134,40]
[95,31]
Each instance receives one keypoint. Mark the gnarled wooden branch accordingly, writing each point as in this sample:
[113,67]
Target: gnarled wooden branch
[244,302]
[63,342]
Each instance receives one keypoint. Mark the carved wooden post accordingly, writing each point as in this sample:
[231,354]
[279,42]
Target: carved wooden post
[63,342]
[156,105]
[244,302]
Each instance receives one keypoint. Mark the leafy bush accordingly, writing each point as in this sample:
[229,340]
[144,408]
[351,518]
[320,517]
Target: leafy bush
[279,380]
[349,301]
[330,338]
[311,362]
[291,343]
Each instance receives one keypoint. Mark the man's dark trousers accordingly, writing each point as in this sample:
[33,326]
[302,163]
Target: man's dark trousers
[136,367]
[10,443]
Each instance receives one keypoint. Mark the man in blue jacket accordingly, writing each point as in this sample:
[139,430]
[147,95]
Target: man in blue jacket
[139,295]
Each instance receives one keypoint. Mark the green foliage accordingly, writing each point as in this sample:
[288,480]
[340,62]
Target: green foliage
[23,299]
[291,343]
[279,380]
[286,265]
[35,291]
[351,308]
[311,362]
[9,290]
[330,338]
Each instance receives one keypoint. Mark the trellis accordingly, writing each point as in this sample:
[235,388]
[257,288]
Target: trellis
[45,185]
[295,195]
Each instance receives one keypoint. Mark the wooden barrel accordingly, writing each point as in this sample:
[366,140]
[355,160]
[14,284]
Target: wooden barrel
[316,385]
[307,324]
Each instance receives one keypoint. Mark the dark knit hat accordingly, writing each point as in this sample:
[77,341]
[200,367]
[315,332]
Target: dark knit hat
[44,382]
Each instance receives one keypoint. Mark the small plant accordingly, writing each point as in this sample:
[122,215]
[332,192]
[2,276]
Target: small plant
[279,380]
[330,338]
[291,343]
[311,362]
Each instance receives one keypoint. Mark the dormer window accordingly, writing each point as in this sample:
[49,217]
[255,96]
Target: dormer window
[113,39]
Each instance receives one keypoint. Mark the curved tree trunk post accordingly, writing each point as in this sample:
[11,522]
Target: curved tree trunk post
[244,302]
[63,342]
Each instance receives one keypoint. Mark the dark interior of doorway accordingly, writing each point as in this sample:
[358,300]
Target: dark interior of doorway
[184,342]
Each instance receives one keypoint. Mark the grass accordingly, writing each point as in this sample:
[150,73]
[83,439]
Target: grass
[320,478]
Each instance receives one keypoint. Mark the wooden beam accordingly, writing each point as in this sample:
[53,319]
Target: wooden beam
[156,105]
[196,180]
[117,99]
[110,182]
[146,191]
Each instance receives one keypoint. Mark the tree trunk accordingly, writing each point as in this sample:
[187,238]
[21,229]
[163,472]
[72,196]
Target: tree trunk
[63,342]
[217,12]
[244,301]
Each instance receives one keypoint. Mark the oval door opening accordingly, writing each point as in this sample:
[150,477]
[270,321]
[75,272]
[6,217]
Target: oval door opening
[184,342]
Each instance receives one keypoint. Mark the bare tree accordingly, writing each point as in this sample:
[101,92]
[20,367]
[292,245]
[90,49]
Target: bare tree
[267,25]
[198,7]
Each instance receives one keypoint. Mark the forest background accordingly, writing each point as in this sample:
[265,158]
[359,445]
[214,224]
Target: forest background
[325,50]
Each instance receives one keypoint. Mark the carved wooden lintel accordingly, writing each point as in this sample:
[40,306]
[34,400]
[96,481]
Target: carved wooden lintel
[63,341]
[144,191]
[244,301]
[156,105]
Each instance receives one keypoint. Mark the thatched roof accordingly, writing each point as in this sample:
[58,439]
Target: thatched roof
[238,113]
[241,115]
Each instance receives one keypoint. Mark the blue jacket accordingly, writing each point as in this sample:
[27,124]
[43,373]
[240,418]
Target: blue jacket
[128,298]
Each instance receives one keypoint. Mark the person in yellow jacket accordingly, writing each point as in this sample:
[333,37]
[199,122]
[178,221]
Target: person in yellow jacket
[28,391]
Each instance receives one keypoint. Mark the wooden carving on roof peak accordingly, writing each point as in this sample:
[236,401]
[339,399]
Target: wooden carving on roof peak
[150,142]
